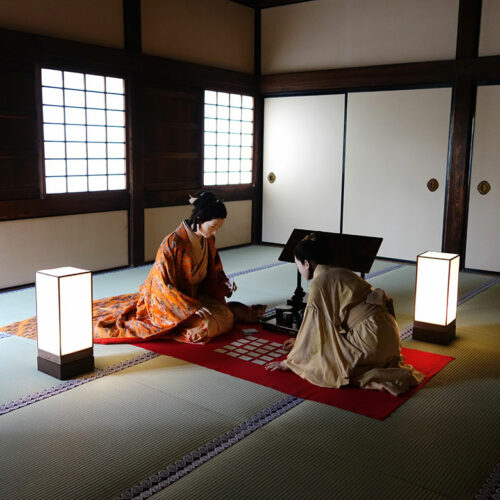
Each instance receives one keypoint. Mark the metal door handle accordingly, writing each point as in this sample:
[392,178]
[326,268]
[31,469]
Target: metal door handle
[483,187]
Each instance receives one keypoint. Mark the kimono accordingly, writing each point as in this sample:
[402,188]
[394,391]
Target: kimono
[183,296]
[349,336]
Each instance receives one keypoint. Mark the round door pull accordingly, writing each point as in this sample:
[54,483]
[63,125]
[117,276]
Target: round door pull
[432,185]
[271,177]
[483,187]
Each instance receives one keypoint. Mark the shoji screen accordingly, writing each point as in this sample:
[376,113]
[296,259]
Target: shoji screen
[396,141]
[303,145]
[483,229]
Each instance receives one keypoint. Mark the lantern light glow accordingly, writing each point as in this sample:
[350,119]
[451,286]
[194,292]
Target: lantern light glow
[436,293]
[64,321]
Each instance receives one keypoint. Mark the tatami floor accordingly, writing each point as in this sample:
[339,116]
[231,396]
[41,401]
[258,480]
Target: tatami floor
[110,435]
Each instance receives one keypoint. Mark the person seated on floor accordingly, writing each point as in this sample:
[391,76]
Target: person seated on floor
[184,295]
[349,334]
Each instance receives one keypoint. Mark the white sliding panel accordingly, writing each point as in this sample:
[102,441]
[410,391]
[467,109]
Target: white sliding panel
[483,228]
[303,146]
[396,142]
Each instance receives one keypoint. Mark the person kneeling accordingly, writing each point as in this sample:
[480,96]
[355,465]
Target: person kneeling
[349,334]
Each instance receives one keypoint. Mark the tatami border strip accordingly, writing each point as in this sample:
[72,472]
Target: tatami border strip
[491,488]
[71,384]
[477,291]
[383,271]
[173,472]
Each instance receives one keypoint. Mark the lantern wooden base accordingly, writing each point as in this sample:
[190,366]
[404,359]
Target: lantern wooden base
[66,367]
[436,334]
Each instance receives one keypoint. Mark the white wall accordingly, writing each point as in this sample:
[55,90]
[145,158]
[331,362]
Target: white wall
[212,32]
[88,241]
[325,34]
[237,229]
[489,38]
[90,21]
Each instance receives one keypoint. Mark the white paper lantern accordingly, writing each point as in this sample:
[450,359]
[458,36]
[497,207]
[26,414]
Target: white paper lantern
[436,294]
[64,321]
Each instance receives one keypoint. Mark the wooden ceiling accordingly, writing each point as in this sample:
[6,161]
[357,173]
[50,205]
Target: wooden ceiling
[264,4]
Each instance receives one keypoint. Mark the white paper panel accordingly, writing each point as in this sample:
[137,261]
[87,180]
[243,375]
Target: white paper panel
[397,141]
[303,144]
[325,34]
[483,229]
[90,21]
[489,37]
[89,241]
[216,32]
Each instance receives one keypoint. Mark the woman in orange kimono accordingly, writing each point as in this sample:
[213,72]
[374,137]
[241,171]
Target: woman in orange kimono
[184,294]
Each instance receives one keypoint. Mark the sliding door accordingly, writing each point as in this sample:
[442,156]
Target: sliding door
[483,228]
[395,168]
[303,147]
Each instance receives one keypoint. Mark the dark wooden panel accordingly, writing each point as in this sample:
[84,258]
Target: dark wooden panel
[171,137]
[64,204]
[171,106]
[181,196]
[368,77]
[163,171]
[18,135]
[19,178]
[17,92]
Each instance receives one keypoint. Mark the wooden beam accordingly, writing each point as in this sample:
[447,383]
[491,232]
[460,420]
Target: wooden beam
[367,77]
[469,24]
[462,116]
[455,220]
[132,29]
[135,97]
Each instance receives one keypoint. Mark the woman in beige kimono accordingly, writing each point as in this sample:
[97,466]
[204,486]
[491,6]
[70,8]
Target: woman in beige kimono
[349,334]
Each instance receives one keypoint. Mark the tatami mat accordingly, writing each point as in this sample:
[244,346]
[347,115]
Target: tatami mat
[266,465]
[95,440]
[102,438]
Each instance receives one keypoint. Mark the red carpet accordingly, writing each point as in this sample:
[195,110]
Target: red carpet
[247,361]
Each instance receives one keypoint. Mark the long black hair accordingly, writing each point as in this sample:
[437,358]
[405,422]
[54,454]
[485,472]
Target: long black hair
[206,207]
[311,248]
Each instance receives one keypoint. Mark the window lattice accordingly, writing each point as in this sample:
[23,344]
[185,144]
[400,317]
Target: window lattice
[84,133]
[228,138]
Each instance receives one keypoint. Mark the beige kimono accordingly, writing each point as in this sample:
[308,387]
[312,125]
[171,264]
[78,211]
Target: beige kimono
[349,336]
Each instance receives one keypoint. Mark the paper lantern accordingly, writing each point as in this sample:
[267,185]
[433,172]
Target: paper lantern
[64,321]
[436,295]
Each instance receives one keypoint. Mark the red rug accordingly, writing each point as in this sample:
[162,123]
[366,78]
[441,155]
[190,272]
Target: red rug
[245,355]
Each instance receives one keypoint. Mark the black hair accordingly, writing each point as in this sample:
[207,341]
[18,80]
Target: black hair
[311,248]
[206,207]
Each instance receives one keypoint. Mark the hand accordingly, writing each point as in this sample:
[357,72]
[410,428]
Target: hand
[277,365]
[203,313]
[288,344]
[231,287]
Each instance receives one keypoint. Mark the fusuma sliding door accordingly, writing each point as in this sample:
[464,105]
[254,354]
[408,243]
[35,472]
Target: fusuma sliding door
[303,148]
[396,150]
[483,228]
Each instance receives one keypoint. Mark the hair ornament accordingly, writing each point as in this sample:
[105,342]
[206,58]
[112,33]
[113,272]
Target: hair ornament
[192,200]
[310,236]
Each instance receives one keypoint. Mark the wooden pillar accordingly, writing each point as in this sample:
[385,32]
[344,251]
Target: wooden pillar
[258,135]
[462,116]
[135,92]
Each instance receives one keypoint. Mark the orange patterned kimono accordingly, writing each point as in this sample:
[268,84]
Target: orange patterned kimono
[186,276]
